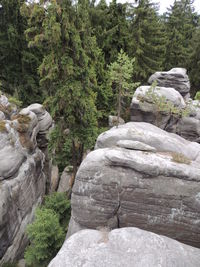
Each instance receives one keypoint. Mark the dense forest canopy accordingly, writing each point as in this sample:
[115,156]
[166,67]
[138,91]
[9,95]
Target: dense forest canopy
[58,52]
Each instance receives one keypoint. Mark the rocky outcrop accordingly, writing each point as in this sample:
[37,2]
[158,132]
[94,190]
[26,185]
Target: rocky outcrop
[65,180]
[176,78]
[45,124]
[167,109]
[22,177]
[113,121]
[129,247]
[156,190]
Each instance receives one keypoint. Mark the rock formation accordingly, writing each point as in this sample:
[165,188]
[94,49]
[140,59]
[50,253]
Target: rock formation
[165,107]
[64,183]
[128,247]
[22,177]
[113,120]
[144,176]
[176,78]
[152,184]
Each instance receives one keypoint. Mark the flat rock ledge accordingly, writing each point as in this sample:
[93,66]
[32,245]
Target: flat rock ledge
[129,247]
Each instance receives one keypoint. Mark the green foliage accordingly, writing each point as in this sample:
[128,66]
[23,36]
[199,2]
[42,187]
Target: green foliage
[194,63]
[68,74]
[15,101]
[18,73]
[59,53]
[180,21]
[180,158]
[59,203]
[161,104]
[60,146]
[47,232]
[110,26]
[148,40]
[197,96]
[120,77]
[46,237]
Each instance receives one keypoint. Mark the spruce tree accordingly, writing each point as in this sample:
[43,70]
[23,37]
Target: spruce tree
[180,21]
[18,73]
[148,40]
[194,63]
[111,28]
[68,74]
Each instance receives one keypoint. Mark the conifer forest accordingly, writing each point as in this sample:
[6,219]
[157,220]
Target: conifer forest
[64,54]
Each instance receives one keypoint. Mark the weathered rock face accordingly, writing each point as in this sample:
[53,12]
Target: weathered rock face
[6,109]
[119,187]
[45,124]
[130,247]
[112,121]
[166,108]
[22,180]
[176,78]
[64,183]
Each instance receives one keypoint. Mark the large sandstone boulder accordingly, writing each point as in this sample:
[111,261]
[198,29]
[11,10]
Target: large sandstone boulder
[22,180]
[166,108]
[176,78]
[157,190]
[128,247]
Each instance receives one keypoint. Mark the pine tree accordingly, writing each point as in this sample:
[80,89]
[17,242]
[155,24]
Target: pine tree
[180,22]
[68,75]
[148,40]
[120,75]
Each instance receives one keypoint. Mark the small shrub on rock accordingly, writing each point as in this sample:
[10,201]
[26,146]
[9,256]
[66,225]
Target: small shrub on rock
[46,236]
[47,232]
[59,203]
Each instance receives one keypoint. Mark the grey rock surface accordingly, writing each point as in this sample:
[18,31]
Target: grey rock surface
[117,187]
[128,247]
[64,183]
[2,115]
[150,135]
[4,101]
[176,78]
[45,124]
[44,118]
[112,121]
[54,178]
[22,181]
[172,114]
[135,145]
[21,263]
